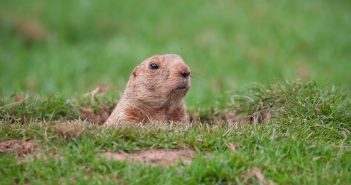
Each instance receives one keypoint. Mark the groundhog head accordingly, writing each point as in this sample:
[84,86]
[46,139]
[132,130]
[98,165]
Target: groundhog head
[159,80]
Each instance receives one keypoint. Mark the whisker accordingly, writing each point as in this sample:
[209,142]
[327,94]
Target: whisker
[199,79]
[195,77]
[198,76]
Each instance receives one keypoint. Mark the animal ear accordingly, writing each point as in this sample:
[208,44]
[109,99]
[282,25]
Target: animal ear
[135,71]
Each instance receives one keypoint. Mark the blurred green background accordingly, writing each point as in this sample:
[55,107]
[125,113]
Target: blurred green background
[69,47]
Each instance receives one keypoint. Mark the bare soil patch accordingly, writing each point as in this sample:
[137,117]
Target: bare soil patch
[154,157]
[18,147]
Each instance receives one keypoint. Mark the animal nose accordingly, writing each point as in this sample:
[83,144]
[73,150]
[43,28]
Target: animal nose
[185,74]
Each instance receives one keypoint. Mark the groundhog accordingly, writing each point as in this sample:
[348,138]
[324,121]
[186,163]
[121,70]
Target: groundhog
[154,92]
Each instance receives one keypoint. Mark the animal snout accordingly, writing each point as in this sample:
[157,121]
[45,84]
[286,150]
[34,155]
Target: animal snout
[185,74]
[184,71]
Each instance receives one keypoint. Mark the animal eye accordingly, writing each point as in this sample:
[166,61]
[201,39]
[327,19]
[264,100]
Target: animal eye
[153,66]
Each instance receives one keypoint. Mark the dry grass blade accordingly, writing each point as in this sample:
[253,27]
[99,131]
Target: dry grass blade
[233,147]
[17,101]
[256,173]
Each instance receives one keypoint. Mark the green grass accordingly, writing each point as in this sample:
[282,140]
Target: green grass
[306,141]
[231,46]
[286,154]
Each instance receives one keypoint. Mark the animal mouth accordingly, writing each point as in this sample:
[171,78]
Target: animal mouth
[182,87]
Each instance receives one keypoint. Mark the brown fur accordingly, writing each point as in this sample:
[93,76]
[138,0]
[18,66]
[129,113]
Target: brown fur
[154,95]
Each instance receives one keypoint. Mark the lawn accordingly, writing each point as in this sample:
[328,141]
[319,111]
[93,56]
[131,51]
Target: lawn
[286,59]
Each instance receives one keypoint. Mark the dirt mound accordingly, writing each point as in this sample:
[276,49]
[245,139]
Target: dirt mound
[154,157]
[18,147]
